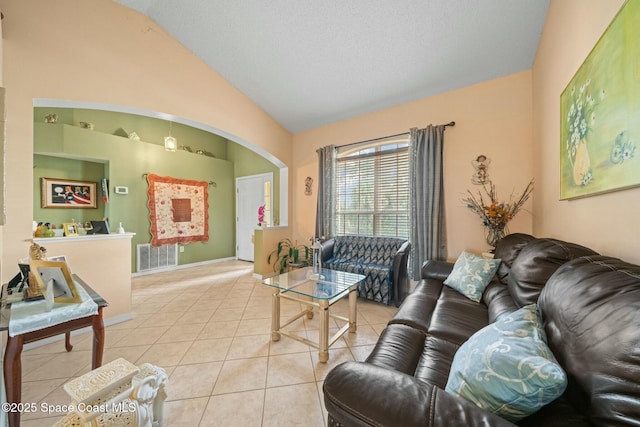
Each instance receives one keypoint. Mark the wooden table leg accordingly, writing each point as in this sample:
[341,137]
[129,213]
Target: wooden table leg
[13,375]
[98,340]
[67,341]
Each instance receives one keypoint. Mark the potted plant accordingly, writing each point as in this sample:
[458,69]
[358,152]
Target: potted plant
[288,253]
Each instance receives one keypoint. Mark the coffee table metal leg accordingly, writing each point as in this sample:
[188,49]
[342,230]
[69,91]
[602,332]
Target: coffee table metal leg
[275,317]
[323,345]
[353,314]
[310,313]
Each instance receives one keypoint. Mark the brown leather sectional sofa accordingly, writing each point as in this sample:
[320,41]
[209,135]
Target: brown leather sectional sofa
[590,308]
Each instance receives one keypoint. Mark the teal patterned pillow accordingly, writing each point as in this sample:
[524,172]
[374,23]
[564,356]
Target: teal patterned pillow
[507,367]
[471,274]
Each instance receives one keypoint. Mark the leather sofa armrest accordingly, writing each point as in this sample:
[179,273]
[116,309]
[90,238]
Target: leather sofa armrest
[400,273]
[327,249]
[439,270]
[358,394]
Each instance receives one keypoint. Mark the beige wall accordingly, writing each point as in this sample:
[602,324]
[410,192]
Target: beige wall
[103,263]
[492,118]
[266,241]
[607,223]
[2,157]
[99,51]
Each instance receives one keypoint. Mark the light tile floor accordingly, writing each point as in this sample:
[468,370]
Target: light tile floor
[209,327]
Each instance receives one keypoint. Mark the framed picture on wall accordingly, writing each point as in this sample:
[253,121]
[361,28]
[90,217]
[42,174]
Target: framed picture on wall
[599,111]
[64,193]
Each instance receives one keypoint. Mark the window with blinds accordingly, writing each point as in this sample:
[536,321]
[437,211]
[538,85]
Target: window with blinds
[372,189]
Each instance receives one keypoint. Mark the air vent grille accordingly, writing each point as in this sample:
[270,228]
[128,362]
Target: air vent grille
[156,257]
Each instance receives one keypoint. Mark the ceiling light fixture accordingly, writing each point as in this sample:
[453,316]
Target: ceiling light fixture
[170,143]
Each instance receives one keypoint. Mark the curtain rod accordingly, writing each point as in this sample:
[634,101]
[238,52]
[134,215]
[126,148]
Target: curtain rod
[451,123]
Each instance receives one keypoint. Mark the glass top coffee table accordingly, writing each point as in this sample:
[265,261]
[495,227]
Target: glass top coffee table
[315,293]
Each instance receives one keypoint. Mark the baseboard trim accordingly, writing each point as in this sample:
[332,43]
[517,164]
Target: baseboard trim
[180,267]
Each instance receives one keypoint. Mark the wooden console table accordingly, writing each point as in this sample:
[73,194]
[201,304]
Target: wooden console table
[12,355]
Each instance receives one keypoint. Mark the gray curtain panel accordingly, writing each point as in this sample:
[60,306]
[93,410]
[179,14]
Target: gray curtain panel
[325,211]
[428,229]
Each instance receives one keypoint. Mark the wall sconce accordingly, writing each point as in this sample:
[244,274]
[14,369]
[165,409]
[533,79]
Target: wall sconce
[170,143]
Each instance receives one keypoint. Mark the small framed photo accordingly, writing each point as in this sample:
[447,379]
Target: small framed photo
[70,229]
[60,258]
[56,274]
[64,193]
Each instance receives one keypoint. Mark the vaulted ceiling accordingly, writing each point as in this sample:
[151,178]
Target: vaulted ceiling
[310,63]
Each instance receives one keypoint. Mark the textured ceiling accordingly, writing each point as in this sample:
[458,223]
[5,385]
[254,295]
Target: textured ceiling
[310,63]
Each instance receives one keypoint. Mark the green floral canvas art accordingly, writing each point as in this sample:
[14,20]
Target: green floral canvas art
[599,111]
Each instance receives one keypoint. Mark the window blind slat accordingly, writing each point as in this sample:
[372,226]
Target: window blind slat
[372,191]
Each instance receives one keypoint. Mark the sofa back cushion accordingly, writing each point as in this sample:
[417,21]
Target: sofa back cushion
[535,263]
[507,250]
[366,249]
[591,312]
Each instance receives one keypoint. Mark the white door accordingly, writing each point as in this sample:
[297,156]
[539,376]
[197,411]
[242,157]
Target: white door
[250,195]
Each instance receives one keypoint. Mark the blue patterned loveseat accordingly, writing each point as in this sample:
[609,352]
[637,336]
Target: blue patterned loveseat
[383,260]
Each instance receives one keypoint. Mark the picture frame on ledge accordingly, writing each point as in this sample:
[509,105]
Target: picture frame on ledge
[70,229]
[64,288]
[66,194]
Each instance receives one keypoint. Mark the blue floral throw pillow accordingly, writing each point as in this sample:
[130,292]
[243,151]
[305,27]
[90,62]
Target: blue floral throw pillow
[471,274]
[507,367]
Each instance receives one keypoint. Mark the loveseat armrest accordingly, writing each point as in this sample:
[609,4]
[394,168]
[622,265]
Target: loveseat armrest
[439,270]
[400,273]
[360,394]
[327,249]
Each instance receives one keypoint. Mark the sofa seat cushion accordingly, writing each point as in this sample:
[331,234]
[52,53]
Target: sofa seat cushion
[435,361]
[399,348]
[366,249]
[507,367]
[455,317]
[442,312]
[408,350]
[378,278]
[417,308]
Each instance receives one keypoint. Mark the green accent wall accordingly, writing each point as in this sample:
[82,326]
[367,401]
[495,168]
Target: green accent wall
[66,169]
[148,129]
[247,163]
[67,151]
